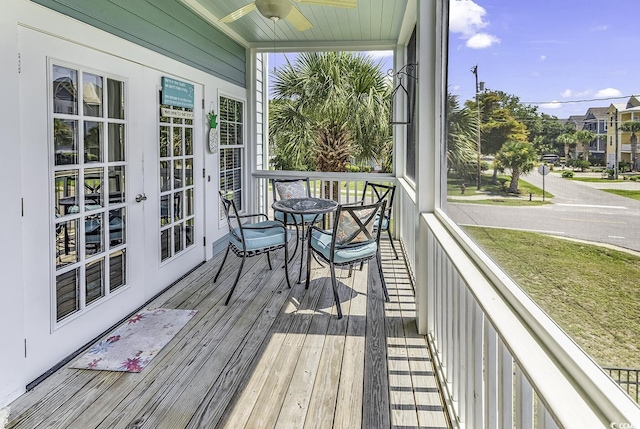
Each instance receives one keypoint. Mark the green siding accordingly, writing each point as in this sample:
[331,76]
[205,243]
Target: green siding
[164,26]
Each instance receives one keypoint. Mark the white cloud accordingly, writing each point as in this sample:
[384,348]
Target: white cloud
[543,57]
[553,105]
[455,87]
[380,54]
[481,41]
[467,18]
[571,93]
[601,28]
[608,92]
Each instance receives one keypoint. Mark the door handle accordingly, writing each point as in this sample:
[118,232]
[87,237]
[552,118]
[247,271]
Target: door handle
[140,198]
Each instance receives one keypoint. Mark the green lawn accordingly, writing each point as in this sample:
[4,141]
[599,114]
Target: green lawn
[496,194]
[590,291]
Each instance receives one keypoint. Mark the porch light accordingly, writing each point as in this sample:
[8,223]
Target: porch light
[400,93]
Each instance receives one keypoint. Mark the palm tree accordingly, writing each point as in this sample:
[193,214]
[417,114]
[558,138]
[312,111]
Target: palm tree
[461,137]
[584,138]
[329,108]
[633,127]
[519,157]
[567,139]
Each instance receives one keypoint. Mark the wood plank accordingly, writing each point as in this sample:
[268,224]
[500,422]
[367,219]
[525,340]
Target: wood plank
[294,408]
[204,334]
[376,384]
[187,386]
[402,401]
[348,407]
[240,382]
[272,395]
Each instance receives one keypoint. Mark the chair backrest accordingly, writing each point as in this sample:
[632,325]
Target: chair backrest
[283,189]
[380,192]
[354,225]
[231,214]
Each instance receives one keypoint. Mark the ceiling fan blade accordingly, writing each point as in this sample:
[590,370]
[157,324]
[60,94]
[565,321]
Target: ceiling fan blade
[350,4]
[298,20]
[239,13]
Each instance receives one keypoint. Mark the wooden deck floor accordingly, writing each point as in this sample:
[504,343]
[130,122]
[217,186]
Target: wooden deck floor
[275,357]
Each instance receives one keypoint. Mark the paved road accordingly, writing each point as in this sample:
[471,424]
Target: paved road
[579,210]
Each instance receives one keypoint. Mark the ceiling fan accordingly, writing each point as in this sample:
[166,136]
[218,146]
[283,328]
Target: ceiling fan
[281,9]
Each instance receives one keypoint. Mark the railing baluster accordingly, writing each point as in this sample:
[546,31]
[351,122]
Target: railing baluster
[524,401]
[491,377]
[505,368]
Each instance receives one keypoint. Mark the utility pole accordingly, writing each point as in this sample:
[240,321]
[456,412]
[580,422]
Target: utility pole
[479,87]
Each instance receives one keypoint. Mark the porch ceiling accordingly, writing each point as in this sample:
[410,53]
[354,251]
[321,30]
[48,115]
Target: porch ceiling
[373,23]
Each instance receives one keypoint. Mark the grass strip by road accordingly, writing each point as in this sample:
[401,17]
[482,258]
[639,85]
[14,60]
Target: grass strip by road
[495,194]
[590,291]
[624,193]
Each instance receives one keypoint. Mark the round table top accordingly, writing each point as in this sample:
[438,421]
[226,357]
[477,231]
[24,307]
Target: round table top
[305,205]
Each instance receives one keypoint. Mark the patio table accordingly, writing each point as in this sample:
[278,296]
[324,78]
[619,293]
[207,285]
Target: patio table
[297,208]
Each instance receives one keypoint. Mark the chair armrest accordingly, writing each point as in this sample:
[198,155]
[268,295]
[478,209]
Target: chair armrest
[246,216]
[324,231]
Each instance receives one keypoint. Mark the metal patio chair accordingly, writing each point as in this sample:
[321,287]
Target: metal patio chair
[252,238]
[354,238]
[381,192]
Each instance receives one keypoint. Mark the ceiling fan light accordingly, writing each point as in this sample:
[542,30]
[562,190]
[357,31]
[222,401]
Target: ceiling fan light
[278,9]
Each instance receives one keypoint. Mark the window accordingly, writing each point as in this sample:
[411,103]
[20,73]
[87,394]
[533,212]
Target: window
[177,189]
[89,170]
[530,102]
[231,121]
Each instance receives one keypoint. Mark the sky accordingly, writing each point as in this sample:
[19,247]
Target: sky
[563,56]
[552,52]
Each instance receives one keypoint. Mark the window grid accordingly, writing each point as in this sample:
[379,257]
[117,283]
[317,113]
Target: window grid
[88,184]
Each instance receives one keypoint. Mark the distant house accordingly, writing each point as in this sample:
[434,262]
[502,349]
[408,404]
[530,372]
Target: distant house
[618,142]
[595,120]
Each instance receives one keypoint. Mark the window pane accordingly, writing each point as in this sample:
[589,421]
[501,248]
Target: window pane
[115,97]
[115,136]
[165,176]
[66,192]
[117,223]
[188,141]
[92,94]
[94,281]
[66,250]
[178,239]
[165,244]
[67,296]
[94,238]
[116,184]
[188,202]
[117,269]
[189,232]
[177,206]
[177,141]
[65,90]
[164,141]
[93,189]
[177,174]
[65,141]
[92,141]
[164,210]
[188,171]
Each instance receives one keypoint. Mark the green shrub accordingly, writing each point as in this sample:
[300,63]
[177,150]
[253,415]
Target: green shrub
[567,174]
[634,178]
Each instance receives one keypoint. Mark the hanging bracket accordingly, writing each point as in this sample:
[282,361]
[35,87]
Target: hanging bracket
[400,91]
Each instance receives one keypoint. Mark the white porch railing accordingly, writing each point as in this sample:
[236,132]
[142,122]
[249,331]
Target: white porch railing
[349,186]
[502,360]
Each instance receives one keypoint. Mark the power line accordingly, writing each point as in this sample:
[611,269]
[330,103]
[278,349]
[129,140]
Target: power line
[576,101]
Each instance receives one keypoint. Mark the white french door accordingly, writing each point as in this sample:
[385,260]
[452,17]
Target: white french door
[107,226]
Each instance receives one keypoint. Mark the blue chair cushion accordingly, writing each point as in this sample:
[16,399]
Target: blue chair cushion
[308,218]
[321,241]
[255,239]
[385,223]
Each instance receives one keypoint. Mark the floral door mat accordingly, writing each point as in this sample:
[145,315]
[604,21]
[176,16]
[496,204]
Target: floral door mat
[134,343]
